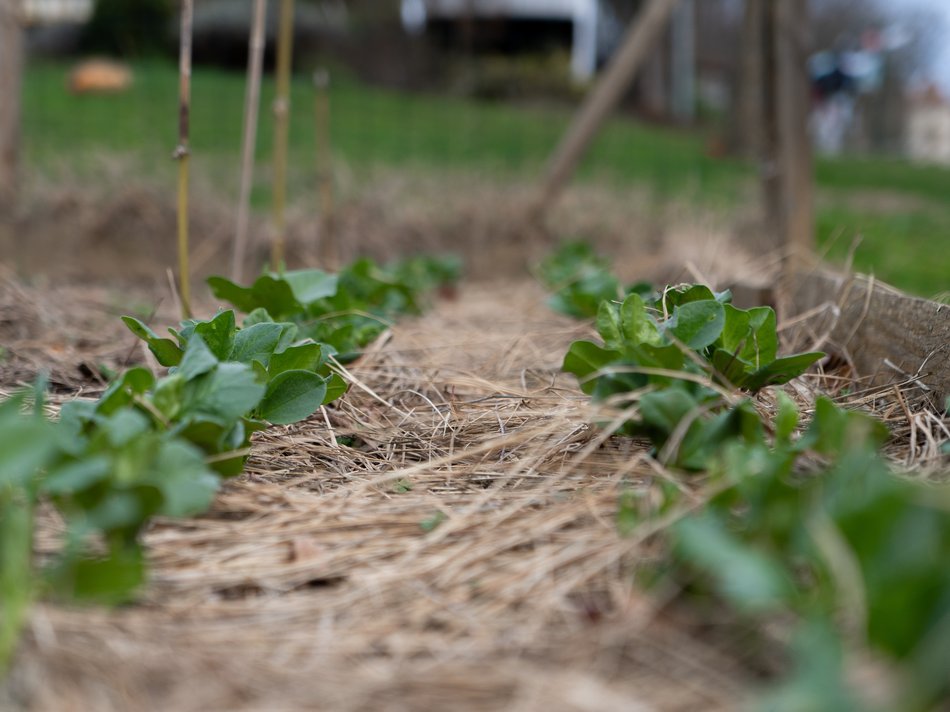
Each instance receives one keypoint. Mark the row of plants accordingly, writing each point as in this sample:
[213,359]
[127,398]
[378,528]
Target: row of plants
[161,446]
[802,535]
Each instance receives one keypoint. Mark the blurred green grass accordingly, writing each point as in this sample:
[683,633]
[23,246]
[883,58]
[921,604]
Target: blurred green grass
[905,244]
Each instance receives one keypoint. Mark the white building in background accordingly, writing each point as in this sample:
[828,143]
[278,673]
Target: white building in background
[928,128]
[595,30]
[41,12]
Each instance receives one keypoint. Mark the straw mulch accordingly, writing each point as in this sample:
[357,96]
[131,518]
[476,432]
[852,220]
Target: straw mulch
[445,538]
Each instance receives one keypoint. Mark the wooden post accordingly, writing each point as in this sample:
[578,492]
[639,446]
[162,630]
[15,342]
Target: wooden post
[285,42]
[182,155]
[605,95]
[11,78]
[794,107]
[776,108]
[328,250]
[255,61]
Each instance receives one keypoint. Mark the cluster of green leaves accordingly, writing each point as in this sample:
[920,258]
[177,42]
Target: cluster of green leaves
[344,311]
[579,278]
[681,354]
[147,447]
[851,553]
[854,554]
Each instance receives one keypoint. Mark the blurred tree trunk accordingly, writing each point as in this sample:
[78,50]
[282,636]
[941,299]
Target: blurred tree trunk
[11,70]
[776,105]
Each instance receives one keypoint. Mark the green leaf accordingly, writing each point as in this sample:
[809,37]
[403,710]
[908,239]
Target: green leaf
[786,420]
[304,357]
[267,292]
[168,396]
[76,476]
[256,343]
[107,581]
[226,393]
[336,388]
[782,370]
[258,316]
[25,444]
[123,426]
[744,576]
[293,396]
[309,285]
[697,324]
[180,474]
[198,359]
[608,324]
[166,351]
[218,334]
[637,325]
[750,334]
[665,409]
[584,359]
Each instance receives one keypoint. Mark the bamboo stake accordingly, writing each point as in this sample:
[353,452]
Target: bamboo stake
[255,61]
[11,80]
[329,254]
[285,40]
[181,154]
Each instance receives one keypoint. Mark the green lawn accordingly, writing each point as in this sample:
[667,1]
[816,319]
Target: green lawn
[905,245]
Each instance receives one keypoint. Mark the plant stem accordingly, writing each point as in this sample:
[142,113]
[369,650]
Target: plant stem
[182,155]
[16,568]
[255,60]
[285,40]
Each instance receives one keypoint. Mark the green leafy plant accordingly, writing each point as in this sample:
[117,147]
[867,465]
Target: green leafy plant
[683,353]
[579,278]
[344,311]
[848,555]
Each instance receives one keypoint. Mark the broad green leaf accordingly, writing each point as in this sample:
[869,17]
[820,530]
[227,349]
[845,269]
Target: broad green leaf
[637,325]
[16,566]
[697,324]
[166,351]
[336,388]
[663,410]
[782,370]
[584,359]
[123,426]
[309,285]
[786,419]
[304,357]
[608,324]
[198,359]
[258,316]
[226,393]
[750,334]
[256,343]
[135,381]
[186,483]
[168,396]
[293,396]
[111,580]
[685,293]
[26,444]
[218,334]
[76,476]
[267,292]
[746,577]
[833,430]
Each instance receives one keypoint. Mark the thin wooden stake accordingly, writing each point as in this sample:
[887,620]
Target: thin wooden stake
[285,40]
[11,78]
[255,62]
[182,154]
[328,252]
